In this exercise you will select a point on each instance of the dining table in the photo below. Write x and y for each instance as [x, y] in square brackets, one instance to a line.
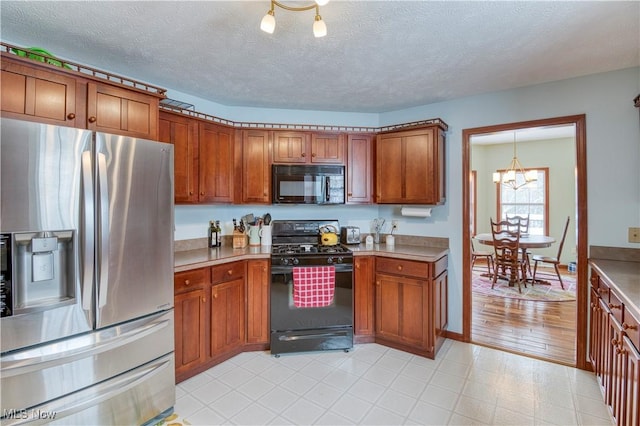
[527, 241]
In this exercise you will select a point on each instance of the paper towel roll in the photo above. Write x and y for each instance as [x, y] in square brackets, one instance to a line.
[416, 211]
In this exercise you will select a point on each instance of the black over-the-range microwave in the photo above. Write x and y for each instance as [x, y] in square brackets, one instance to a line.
[307, 184]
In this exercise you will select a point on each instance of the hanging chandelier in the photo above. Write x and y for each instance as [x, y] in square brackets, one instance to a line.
[268, 23]
[509, 177]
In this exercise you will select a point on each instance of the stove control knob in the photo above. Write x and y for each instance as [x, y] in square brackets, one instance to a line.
[284, 261]
[340, 259]
[329, 259]
[295, 261]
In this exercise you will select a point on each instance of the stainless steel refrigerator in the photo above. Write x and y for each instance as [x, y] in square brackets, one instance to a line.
[86, 241]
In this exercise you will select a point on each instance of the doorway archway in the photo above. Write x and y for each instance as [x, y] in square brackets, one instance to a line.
[582, 294]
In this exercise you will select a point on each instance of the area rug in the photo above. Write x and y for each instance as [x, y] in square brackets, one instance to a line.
[538, 292]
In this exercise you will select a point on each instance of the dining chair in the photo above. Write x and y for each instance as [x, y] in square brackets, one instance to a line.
[506, 246]
[555, 261]
[481, 254]
[524, 230]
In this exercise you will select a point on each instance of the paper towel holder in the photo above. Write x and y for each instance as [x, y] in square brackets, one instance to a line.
[413, 211]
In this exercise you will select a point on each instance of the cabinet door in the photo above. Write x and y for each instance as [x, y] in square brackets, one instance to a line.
[258, 301]
[227, 316]
[39, 95]
[182, 132]
[290, 147]
[327, 148]
[614, 384]
[401, 310]
[120, 111]
[359, 169]
[190, 327]
[216, 163]
[389, 171]
[631, 387]
[256, 167]
[364, 297]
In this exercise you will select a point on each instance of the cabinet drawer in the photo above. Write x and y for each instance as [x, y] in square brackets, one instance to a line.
[189, 280]
[600, 287]
[616, 306]
[403, 267]
[631, 327]
[227, 272]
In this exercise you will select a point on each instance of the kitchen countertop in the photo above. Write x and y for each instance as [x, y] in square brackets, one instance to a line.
[203, 257]
[624, 278]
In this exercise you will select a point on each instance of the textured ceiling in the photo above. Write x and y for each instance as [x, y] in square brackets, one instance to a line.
[378, 55]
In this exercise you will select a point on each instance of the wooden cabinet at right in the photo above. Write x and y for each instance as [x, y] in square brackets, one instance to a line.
[410, 166]
[411, 304]
[614, 344]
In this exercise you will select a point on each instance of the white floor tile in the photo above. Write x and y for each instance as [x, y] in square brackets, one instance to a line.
[373, 385]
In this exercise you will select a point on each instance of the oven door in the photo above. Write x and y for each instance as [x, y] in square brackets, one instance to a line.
[300, 329]
[286, 316]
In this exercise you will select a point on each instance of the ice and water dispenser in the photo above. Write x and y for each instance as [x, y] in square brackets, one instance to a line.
[38, 271]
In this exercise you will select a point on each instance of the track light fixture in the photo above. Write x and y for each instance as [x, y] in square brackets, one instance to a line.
[268, 23]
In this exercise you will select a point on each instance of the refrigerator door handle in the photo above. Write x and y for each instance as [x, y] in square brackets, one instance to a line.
[93, 396]
[104, 230]
[38, 359]
[89, 231]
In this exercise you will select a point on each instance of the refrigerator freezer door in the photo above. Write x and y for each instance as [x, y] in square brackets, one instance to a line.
[134, 204]
[49, 372]
[42, 184]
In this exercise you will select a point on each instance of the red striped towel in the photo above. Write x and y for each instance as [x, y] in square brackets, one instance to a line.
[313, 286]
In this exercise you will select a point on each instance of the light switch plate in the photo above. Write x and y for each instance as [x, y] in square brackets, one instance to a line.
[634, 235]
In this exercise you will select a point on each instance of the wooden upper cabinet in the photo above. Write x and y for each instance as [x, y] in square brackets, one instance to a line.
[410, 167]
[359, 169]
[216, 162]
[117, 110]
[311, 148]
[40, 95]
[182, 132]
[256, 167]
[290, 147]
[327, 148]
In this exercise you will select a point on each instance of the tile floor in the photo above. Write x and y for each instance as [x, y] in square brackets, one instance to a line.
[376, 385]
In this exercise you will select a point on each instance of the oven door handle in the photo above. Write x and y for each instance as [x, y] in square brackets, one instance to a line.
[340, 267]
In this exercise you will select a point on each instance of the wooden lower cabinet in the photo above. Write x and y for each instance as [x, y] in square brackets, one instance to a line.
[364, 299]
[613, 355]
[191, 313]
[258, 277]
[227, 317]
[410, 304]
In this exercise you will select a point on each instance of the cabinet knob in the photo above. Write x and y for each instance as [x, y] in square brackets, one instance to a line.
[187, 282]
[92, 119]
[71, 116]
[264, 194]
[204, 300]
[190, 192]
[612, 306]
[629, 327]
[614, 342]
[304, 155]
[230, 272]
[202, 193]
[215, 295]
[602, 290]
[349, 194]
[313, 154]
[399, 267]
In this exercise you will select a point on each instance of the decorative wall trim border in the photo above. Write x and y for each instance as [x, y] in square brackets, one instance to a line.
[317, 127]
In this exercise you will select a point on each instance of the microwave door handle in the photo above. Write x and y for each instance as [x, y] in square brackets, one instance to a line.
[326, 188]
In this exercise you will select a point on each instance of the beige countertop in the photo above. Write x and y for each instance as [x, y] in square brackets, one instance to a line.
[203, 257]
[624, 278]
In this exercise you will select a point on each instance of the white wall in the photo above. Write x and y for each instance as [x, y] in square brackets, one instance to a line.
[613, 155]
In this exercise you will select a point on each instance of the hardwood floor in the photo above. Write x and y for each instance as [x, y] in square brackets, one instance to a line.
[544, 330]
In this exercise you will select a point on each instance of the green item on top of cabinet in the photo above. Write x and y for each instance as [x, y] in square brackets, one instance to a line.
[39, 54]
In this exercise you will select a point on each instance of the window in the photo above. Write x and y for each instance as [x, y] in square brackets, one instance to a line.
[531, 199]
